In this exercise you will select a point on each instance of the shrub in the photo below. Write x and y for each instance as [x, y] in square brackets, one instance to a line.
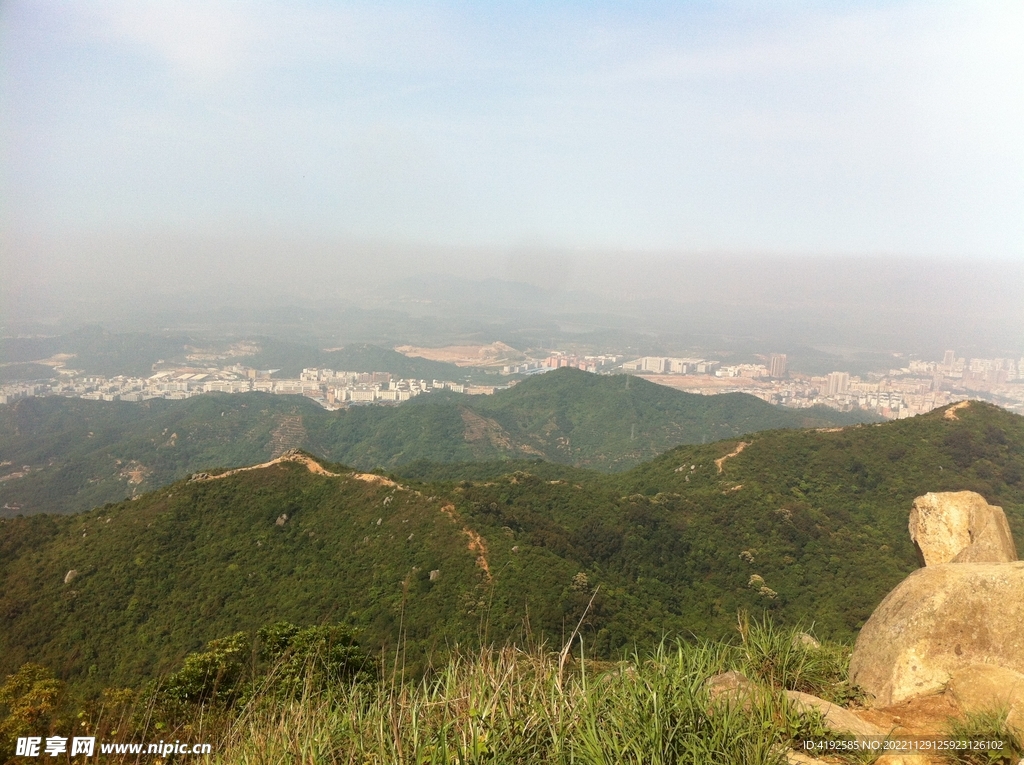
[213, 675]
[28, 704]
[314, 657]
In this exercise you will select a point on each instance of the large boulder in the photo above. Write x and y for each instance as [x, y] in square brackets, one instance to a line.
[960, 527]
[985, 688]
[940, 619]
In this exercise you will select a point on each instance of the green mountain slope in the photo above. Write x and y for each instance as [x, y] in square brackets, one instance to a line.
[79, 454]
[612, 423]
[806, 525]
[200, 558]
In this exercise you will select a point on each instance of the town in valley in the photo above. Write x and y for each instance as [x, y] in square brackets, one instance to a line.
[896, 393]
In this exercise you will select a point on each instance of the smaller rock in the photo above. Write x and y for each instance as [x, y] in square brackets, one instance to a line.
[282, 519]
[803, 640]
[989, 688]
[435, 575]
[836, 717]
[70, 575]
[729, 686]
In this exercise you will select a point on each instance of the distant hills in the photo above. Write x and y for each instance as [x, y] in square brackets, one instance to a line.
[63, 455]
[806, 525]
[94, 350]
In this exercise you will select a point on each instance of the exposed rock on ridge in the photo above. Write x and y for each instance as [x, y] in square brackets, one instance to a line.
[960, 527]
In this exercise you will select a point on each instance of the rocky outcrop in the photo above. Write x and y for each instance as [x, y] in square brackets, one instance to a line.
[987, 688]
[960, 527]
[941, 619]
[836, 717]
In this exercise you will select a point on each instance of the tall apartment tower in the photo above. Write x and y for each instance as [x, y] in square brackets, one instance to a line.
[838, 382]
[777, 365]
[947, 359]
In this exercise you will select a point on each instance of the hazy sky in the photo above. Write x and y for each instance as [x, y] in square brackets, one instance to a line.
[810, 128]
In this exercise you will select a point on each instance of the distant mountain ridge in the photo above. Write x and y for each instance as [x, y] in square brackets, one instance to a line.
[70, 454]
[97, 351]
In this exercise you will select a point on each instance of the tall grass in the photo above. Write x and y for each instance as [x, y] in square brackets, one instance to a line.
[778, 657]
[508, 706]
[992, 727]
[514, 707]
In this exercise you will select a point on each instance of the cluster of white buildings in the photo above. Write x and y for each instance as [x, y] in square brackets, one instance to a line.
[890, 397]
[331, 389]
[666, 365]
[560, 359]
[978, 374]
[915, 389]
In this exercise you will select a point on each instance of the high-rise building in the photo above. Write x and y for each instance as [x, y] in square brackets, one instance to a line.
[948, 358]
[838, 382]
[777, 365]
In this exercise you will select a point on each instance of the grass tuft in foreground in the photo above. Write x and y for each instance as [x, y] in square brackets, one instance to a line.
[510, 706]
[990, 727]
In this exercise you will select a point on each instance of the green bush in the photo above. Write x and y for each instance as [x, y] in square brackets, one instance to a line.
[213, 675]
[313, 658]
[29, 702]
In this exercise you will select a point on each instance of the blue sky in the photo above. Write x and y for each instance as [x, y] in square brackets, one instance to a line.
[828, 128]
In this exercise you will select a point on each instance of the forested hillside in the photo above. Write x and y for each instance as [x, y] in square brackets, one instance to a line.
[805, 525]
[62, 455]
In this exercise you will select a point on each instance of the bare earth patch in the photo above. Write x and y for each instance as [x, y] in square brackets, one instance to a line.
[16, 474]
[739, 448]
[924, 716]
[705, 384]
[135, 472]
[476, 545]
[494, 354]
[312, 465]
[950, 414]
[373, 478]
